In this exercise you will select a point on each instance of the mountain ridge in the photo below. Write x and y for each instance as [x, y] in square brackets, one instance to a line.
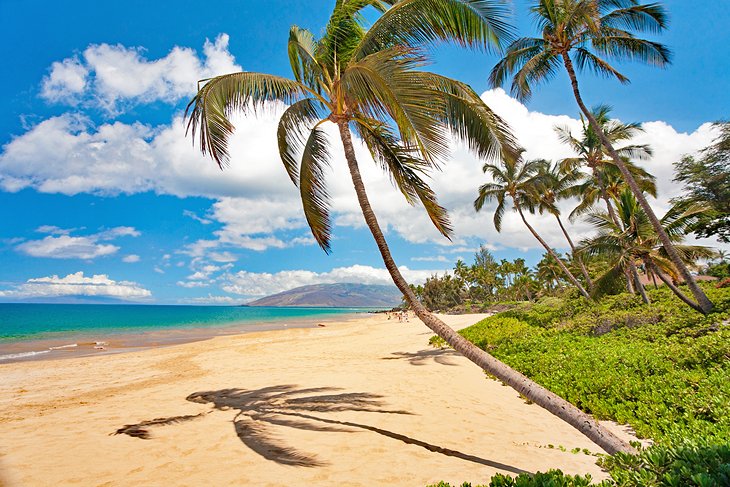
[335, 295]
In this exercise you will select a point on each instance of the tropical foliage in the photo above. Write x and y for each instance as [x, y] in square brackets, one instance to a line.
[588, 35]
[706, 180]
[661, 368]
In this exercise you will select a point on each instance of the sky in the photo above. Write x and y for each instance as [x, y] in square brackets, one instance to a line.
[103, 195]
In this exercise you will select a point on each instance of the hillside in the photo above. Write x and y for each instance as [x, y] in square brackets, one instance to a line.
[340, 295]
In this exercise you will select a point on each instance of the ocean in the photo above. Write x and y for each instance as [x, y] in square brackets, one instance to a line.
[35, 331]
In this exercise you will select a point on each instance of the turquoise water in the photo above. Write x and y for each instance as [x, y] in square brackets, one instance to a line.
[39, 321]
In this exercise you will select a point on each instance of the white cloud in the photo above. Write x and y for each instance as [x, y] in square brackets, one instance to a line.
[130, 259]
[112, 76]
[54, 230]
[435, 258]
[192, 284]
[246, 283]
[61, 245]
[210, 299]
[256, 204]
[77, 284]
[195, 217]
[66, 247]
[66, 82]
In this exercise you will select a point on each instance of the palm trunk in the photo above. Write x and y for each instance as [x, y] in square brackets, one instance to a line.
[628, 273]
[583, 269]
[639, 285]
[528, 388]
[704, 305]
[666, 280]
[552, 253]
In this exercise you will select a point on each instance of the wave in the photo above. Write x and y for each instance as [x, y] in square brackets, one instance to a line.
[61, 347]
[12, 356]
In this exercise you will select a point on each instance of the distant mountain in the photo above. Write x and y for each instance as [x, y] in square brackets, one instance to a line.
[341, 295]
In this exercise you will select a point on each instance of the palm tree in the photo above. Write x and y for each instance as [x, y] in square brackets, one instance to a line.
[606, 181]
[635, 241]
[549, 273]
[587, 30]
[554, 183]
[369, 80]
[517, 180]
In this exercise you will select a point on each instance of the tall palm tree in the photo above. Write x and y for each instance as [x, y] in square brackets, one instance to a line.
[636, 241]
[606, 181]
[370, 81]
[587, 30]
[517, 179]
[554, 183]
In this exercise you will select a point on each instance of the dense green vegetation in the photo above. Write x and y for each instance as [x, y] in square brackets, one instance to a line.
[661, 368]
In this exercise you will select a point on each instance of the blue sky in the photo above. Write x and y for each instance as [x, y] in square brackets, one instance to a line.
[101, 193]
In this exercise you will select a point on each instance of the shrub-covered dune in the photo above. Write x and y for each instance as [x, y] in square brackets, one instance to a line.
[661, 368]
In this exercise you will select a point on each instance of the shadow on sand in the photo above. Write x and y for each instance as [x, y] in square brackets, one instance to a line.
[439, 355]
[288, 406]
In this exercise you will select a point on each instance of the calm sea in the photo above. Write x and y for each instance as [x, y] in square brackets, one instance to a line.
[31, 330]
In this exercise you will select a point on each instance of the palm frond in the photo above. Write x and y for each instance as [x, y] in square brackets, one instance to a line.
[292, 133]
[304, 65]
[208, 113]
[312, 188]
[385, 85]
[585, 59]
[404, 168]
[621, 45]
[630, 15]
[486, 134]
[472, 23]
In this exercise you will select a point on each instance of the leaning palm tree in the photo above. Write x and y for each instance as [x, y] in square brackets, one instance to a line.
[636, 241]
[555, 182]
[576, 33]
[370, 81]
[517, 180]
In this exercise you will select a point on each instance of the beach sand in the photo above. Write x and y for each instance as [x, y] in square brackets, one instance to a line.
[363, 402]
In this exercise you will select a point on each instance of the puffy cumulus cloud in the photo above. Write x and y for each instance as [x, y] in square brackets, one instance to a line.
[61, 245]
[130, 259]
[112, 76]
[256, 204]
[66, 81]
[246, 283]
[66, 155]
[77, 285]
[69, 154]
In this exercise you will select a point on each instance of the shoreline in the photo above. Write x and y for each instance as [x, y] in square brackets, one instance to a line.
[358, 402]
[85, 344]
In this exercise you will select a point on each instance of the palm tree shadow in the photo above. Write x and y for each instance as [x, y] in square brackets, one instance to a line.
[287, 406]
[440, 356]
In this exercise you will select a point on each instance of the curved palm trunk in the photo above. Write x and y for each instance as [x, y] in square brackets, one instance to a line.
[552, 253]
[583, 269]
[666, 280]
[528, 388]
[704, 305]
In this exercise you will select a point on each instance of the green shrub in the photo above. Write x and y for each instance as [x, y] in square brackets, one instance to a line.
[661, 368]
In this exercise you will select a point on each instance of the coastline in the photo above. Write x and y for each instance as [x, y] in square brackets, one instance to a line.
[87, 343]
[357, 402]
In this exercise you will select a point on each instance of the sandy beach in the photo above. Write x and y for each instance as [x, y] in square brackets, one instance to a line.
[362, 402]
